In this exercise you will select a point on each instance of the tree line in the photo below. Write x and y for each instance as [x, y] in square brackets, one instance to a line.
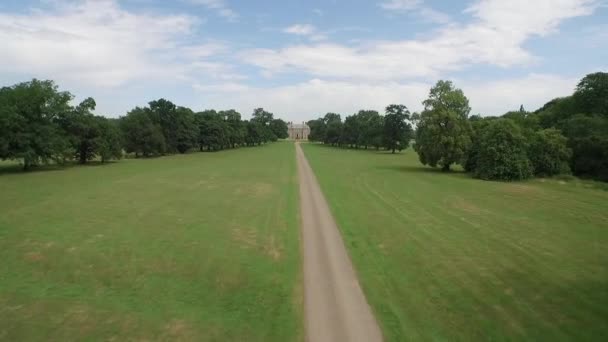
[567, 135]
[38, 125]
[365, 129]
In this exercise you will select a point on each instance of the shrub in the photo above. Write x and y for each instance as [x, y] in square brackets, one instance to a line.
[549, 153]
[502, 153]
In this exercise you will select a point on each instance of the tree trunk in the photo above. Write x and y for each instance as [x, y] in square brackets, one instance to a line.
[393, 151]
[445, 168]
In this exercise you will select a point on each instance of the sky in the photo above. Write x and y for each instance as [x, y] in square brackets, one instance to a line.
[302, 59]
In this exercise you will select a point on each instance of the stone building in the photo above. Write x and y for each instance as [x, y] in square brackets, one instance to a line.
[298, 131]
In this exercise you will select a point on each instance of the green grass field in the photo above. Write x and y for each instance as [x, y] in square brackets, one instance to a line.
[447, 257]
[198, 247]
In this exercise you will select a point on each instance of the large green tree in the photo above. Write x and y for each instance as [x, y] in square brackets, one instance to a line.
[213, 131]
[397, 131]
[503, 152]
[371, 126]
[82, 130]
[264, 118]
[588, 139]
[333, 128]
[443, 135]
[318, 129]
[109, 142]
[549, 153]
[29, 114]
[142, 135]
[186, 129]
[591, 95]
[279, 128]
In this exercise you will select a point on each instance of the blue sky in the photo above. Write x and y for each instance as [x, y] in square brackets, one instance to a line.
[301, 59]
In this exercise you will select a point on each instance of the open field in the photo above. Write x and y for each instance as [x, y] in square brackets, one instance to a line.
[195, 247]
[446, 257]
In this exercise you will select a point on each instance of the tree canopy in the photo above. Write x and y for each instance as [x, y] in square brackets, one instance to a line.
[38, 125]
[443, 134]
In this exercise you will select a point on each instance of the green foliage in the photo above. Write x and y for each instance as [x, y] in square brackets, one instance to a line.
[109, 142]
[279, 128]
[213, 131]
[29, 125]
[333, 130]
[264, 119]
[478, 125]
[591, 95]
[397, 131]
[317, 130]
[588, 139]
[445, 97]
[443, 134]
[549, 153]
[583, 119]
[502, 153]
[141, 134]
[371, 124]
[351, 131]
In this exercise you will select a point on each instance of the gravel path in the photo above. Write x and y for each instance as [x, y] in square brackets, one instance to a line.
[334, 304]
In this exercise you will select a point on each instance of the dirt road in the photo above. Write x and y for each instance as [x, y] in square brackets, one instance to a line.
[334, 304]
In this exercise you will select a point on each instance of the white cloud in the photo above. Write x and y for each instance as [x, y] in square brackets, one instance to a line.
[401, 5]
[496, 36]
[98, 43]
[310, 99]
[417, 8]
[220, 6]
[306, 30]
[534, 90]
[300, 29]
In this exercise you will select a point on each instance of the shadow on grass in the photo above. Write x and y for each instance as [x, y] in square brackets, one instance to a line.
[17, 168]
[360, 149]
[424, 170]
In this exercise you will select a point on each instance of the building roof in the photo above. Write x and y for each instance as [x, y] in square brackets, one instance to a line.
[292, 125]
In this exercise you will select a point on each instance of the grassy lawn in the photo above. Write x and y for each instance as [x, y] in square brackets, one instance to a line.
[447, 257]
[198, 247]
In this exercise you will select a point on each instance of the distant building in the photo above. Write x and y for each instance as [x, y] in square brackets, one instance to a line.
[298, 131]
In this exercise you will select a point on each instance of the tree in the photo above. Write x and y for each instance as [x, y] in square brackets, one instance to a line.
[109, 141]
[263, 118]
[397, 131]
[213, 131]
[164, 114]
[82, 131]
[549, 153]
[29, 122]
[443, 132]
[588, 139]
[236, 128]
[141, 134]
[502, 153]
[255, 133]
[478, 125]
[349, 134]
[279, 128]
[333, 131]
[370, 125]
[186, 129]
[317, 130]
[591, 94]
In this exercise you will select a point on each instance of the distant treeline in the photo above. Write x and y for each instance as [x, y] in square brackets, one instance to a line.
[38, 125]
[567, 135]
